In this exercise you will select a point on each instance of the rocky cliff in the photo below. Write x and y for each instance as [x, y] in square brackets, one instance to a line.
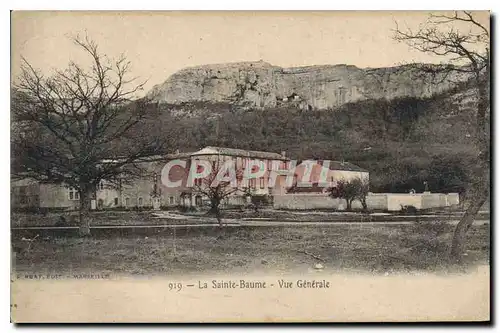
[262, 85]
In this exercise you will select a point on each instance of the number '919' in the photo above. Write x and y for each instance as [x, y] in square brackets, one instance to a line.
[175, 286]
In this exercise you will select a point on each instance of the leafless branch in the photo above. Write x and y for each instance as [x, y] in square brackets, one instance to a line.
[82, 116]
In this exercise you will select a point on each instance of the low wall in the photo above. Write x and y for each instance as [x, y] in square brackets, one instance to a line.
[235, 200]
[377, 201]
[396, 200]
[374, 201]
[310, 201]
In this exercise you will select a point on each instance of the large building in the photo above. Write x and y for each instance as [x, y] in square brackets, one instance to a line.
[318, 176]
[150, 188]
[189, 194]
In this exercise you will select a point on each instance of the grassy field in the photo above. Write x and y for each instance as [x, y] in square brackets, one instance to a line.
[273, 249]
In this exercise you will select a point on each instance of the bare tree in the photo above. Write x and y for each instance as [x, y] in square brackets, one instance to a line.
[80, 125]
[216, 191]
[463, 41]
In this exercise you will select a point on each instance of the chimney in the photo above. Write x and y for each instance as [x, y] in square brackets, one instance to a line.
[283, 153]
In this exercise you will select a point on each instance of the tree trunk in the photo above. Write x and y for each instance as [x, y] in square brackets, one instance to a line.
[459, 237]
[214, 206]
[482, 176]
[215, 209]
[218, 216]
[363, 203]
[86, 194]
[349, 205]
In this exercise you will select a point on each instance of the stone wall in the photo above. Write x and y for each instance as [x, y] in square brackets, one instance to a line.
[375, 201]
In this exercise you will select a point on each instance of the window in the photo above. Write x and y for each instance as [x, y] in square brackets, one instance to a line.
[101, 185]
[73, 194]
[140, 202]
[253, 182]
[198, 181]
[116, 201]
[171, 200]
[23, 197]
[262, 182]
[127, 202]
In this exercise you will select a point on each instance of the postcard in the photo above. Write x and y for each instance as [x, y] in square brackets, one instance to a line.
[250, 167]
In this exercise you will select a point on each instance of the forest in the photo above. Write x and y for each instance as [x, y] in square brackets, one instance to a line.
[403, 142]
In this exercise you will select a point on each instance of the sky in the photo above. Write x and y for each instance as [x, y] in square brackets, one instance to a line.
[161, 43]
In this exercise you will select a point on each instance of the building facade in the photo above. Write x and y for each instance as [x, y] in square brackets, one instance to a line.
[318, 176]
[271, 174]
[190, 193]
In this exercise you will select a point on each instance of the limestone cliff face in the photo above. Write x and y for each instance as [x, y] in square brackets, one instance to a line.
[262, 85]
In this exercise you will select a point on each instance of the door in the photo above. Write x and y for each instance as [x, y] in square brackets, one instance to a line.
[197, 200]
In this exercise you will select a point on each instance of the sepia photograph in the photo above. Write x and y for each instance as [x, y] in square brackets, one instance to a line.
[250, 166]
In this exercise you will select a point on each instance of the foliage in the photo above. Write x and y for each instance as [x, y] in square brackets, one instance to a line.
[408, 210]
[259, 201]
[350, 190]
[420, 139]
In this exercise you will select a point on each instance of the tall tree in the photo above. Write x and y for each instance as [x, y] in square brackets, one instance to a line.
[464, 43]
[80, 125]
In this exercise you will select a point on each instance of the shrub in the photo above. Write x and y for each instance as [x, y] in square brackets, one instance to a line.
[261, 200]
[61, 221]
[408, 210]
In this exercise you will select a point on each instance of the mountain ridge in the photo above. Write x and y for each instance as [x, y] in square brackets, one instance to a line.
[259, 84]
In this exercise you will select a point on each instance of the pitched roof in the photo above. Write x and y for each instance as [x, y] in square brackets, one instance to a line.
[345, 166]
[166, 157]
[239, 152]
[315, 188]
[336, 165]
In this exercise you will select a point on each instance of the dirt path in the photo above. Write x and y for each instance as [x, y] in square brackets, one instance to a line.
[234, 223]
